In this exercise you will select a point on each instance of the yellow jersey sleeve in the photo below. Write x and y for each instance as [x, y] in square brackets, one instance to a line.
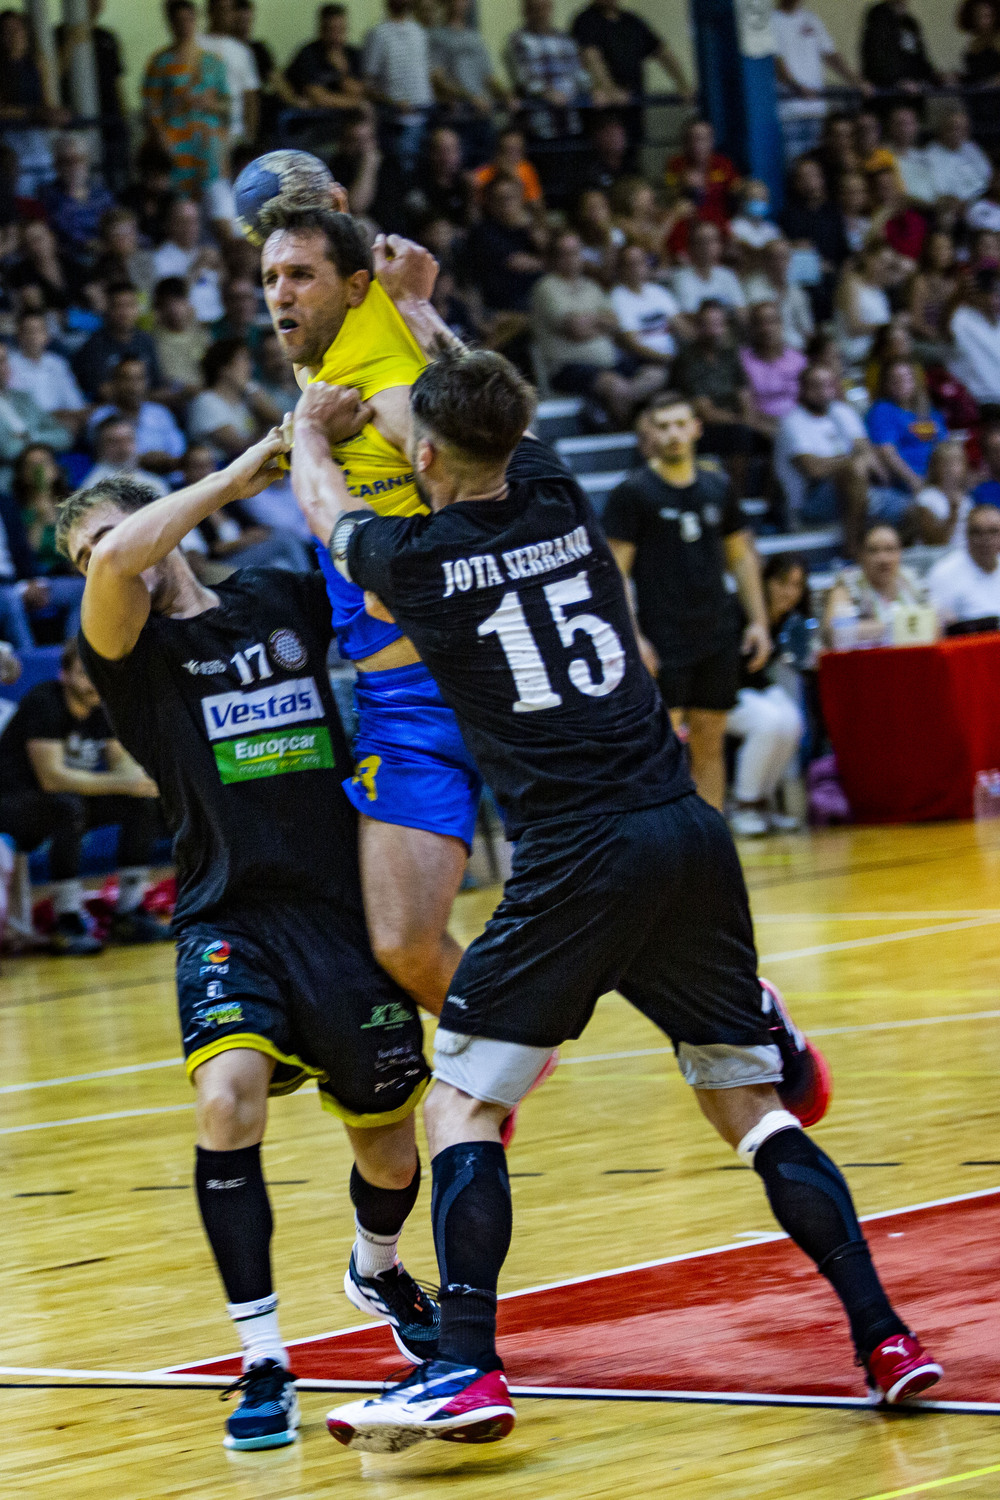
[373, 352]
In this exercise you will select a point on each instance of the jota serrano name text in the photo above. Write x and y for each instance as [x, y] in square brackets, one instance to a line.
[484, 571]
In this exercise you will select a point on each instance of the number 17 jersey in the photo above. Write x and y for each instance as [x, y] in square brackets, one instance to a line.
[518, 611]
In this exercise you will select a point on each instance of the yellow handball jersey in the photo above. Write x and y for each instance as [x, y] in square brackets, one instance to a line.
[373, 351]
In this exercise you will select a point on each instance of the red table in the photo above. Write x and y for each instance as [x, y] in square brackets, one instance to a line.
[911, 726]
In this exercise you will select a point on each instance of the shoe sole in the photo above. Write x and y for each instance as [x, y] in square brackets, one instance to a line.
[270, 1440]
[488, 1425]
[913, 1382]
[356, 1298]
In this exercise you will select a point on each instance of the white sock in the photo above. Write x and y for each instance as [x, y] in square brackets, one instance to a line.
[131, 888]
[67, 896]
[374, 1253]
[257, 1326]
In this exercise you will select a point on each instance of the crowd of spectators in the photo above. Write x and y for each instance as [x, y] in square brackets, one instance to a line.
[839, 344]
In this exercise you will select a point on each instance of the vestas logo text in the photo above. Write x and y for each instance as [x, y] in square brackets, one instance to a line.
[288, 703]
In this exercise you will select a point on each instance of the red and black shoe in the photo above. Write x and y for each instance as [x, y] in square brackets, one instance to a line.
[457, 1403]
[900, 1367]
[806, 1087]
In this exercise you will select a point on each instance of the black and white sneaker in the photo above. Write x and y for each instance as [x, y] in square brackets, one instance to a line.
[395, 1298]
[268, 1415]
[73, 937]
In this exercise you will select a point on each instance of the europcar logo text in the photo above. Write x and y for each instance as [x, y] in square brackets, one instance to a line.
[217, 952]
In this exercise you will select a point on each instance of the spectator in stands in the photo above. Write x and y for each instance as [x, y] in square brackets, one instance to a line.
[546, 69]
[706, 278]
[752, 227]
[326, 73]
[932, 292]
[600, 238]
[33, 588]
[465, 79]
[855, 209]
[115, 452]
[183, 253]
[275, 92]
[231, 412]
[40, 263]
[44, 375]
[987, 491]
[866, 595]
[606, 159]
[151, 193]
[837, 151]
[110, 69]
[396, 67]
[772, 283]
[811, 221]
[648, 313]
[233, 537]
[441, 188]
[186, 101]
[119, 338]
[980, 76]
[772, 367]
[242, 80]
[942, 506]
[804, 52]
[27, 101]
[862, 302]
[902, 136]
[956, 166]
[75, 202]
[119, 255]
[509, 160]
[63, 772]
[675, 529]
[709, 373]
[975, 337]
[579, 339]
[638, 214]
[275, 375]
[37, 487]
[241, 320]
[893, 54]
[374, 182]
[23, 421]
[159, 440]
[620, 42]
[823, 458]
[767, 717]
[985, 212]
[894, 219]
[704, 177]
[504, 254]
[180, 339]
[965, 585]
[903, 427]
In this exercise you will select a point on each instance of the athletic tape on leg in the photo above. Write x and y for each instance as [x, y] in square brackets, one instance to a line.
[773, 1121]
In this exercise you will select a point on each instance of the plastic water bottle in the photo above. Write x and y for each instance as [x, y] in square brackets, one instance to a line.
[986, 796]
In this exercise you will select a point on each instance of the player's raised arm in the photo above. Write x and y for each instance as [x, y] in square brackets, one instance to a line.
[407, 273]
[325, 415]
[116, 600]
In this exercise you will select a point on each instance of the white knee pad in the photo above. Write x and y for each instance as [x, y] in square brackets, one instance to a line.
[773, 1122]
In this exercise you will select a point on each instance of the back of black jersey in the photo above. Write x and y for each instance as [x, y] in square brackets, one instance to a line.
[231, 714]
[518, 609]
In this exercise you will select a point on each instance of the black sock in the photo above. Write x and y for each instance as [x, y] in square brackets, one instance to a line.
[237, 1218]
[812, 1203]
[383, 1210]
[471, 1217]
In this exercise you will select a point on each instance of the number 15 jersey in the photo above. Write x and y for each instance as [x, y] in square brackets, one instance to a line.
[518, 610]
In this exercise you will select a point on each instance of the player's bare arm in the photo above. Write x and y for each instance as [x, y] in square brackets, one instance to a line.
[407, 272]
[115, 556]
[325, 415]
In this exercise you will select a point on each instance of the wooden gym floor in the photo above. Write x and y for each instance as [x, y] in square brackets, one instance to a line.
[885, 941]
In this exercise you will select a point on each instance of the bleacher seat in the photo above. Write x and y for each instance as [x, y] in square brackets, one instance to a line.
[599, 455]
[557, 418]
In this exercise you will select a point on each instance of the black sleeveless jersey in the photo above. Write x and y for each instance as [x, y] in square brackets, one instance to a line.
[519, 612]
[231, 714]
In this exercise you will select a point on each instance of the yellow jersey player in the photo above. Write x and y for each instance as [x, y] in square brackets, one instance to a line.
[415, 785]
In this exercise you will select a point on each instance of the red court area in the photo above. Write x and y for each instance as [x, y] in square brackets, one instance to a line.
[755, 1319]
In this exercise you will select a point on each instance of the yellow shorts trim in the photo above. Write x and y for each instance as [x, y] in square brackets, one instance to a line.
[369, 1122]
[250, 1041]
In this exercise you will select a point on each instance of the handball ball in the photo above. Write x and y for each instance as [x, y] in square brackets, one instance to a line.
[279, 180]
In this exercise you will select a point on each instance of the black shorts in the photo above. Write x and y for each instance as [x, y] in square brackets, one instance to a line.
[300, 984]
[710, 682]
[650, 903]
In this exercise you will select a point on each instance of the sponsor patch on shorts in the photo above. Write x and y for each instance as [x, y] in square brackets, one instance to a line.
[274, 754]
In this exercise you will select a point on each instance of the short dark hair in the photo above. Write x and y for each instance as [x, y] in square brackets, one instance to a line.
[476, 402]
[346, 242]
[663, 400]
[118, 289]
[217, 356]
[173, 6]
[113, 419]
[129, 359]
[326, 11]
[127, 493]
[170, 286]
[30, 312]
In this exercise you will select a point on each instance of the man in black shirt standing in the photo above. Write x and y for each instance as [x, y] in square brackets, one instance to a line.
[222, 695]
[675, 529]
[62, 771]
[622, 877]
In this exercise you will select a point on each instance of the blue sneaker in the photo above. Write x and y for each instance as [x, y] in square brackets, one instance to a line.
[268, 1415]
[395, 1298]
[456, 1403]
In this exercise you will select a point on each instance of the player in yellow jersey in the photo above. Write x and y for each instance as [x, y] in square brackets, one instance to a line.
[415, 786]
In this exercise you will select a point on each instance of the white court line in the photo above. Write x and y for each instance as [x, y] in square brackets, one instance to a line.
[51, 1083]
[882, 937]
[118, 1114]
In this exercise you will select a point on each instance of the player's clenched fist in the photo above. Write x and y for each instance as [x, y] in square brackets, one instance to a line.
[337, 409]
[403, 269]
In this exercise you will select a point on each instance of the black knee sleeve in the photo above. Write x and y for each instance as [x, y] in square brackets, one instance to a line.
[383, 1210]
[236, 1214]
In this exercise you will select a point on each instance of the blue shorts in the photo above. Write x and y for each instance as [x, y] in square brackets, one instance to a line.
[411, 766]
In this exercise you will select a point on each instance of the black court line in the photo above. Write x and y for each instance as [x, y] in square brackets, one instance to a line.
[68, 1265]
[525, 1174]
[166, 1187]
[50, 1193]
[980, 1163]
[88, 989]
[871, 1163]
[631, 1171]
[286, 1182]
